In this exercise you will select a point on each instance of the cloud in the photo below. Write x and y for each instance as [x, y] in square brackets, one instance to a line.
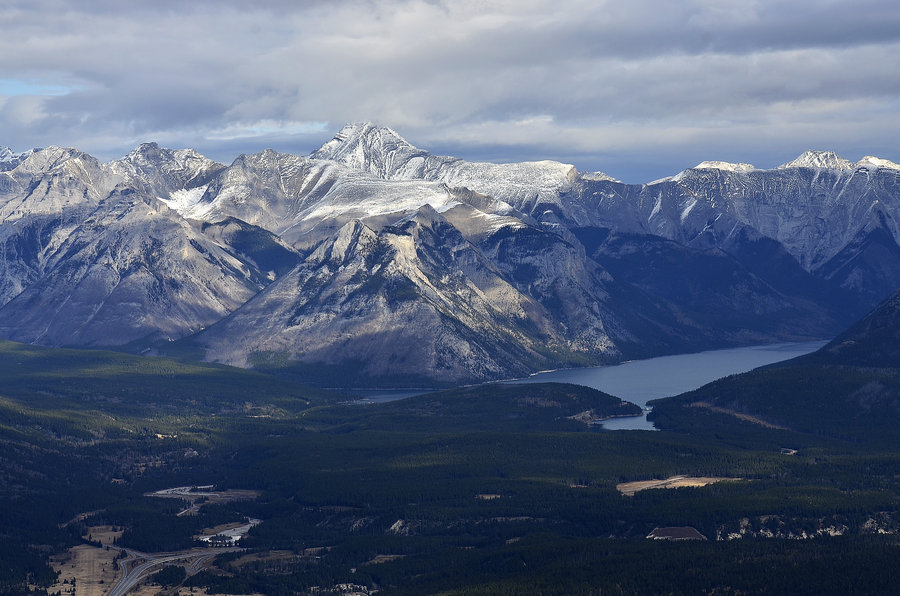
[632, 88]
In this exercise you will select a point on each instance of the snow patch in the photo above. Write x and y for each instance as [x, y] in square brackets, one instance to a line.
[724, 165]
[689, 206]
[188, 202]
[371, 197]
[824, 160]
[872, 162]
[598, 177]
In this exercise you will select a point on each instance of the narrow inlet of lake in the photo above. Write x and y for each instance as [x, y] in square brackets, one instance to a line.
[640, 381]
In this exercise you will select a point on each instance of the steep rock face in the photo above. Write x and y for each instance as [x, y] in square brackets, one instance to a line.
[532, 188]
[9, 159]
[162, 172]
[813, 206]
[817, 208]
[412, 298]
[88, 260]
[812, 211]
[573, 289]
[51, 181]
[706, 293]
[125, 274]
[377, 150]
[268, 189]
[42, 200]
[374, 251]
[305, 200]
[869, 265]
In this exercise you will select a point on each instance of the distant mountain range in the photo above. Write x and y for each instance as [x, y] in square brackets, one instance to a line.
[372, 258]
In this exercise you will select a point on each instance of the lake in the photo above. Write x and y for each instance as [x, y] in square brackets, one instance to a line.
[640, 381]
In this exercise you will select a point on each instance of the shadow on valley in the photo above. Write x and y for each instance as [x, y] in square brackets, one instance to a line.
[498, 489]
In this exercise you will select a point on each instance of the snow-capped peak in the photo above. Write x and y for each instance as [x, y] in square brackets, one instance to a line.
[821, 160]
[362, 137]
[9, 159]
[152, 153]
[870, 161]
[370, 148]
[724, 165]
[598, 177]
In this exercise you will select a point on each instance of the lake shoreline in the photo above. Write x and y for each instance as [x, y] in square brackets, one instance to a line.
[640, 381]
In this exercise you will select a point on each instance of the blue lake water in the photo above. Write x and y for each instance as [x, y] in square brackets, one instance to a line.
[640, 381]
[379, 396]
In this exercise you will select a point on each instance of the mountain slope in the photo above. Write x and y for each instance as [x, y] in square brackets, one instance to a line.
[90, 260]
[529, 187]
[415, 298]
[872, 342]
[814, 207]
[849, 389]
[376, 255]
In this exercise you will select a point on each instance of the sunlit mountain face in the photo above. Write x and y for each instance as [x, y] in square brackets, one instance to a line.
[374, 255]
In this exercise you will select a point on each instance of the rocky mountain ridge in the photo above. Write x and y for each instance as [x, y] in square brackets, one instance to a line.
[375, 252]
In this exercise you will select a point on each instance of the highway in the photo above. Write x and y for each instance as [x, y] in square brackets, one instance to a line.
[137, 565]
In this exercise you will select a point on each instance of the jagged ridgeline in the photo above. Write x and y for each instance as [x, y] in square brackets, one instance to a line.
[374, 259]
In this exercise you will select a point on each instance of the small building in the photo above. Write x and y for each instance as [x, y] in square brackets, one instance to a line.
[676, 533]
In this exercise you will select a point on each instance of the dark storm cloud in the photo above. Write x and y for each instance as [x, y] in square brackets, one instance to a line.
[640, 89]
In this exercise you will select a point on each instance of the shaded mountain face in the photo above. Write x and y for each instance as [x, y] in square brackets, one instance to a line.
[399, 300]
[849, 389]
[90, 260]
[374, 252]
[872, 342]
[824, 218]
[820, 209]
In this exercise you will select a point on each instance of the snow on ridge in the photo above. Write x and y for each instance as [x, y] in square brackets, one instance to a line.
[8, 157]
[824, 160]
[831, 161]
[363, 196]
[356, 137]
[187, 202]
[870, 161]
[598, 177]
[724, 165]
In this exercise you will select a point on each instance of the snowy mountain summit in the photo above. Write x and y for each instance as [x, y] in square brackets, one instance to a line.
[374, 149]
[9, 159]
[374, 258]
[829, 160]
[724, 165]
[819, 160]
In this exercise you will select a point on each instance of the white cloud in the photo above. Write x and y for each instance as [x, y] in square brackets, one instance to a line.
[265, 128]
[659, 84]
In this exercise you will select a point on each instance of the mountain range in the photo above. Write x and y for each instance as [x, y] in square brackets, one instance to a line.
[372, 258]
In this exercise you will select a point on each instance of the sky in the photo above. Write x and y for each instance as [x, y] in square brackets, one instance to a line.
[638, 89]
